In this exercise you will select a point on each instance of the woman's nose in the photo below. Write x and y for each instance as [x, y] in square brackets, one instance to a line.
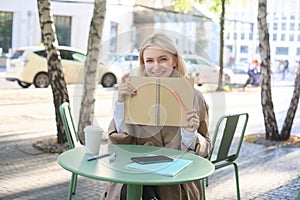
[155, 64]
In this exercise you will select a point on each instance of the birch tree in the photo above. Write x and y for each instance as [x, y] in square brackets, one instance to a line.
[55, 73]
[87, 107]
[271, 128]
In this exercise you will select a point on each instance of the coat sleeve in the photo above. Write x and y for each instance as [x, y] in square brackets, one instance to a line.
[203, 142]
[116, 137]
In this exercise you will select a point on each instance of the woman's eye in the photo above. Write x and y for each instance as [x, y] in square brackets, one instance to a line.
[148, 61]
[163, 59]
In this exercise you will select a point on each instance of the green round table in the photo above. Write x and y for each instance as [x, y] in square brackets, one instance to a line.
[74, 160]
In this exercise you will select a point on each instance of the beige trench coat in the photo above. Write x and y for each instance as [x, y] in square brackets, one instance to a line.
[169, 137]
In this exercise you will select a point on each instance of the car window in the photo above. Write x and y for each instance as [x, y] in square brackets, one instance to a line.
[65, 54]
[71, 55]
[41, 53]
[202, 62]
[17, 54]
[79, 57]
[191, 61]
[131, 58]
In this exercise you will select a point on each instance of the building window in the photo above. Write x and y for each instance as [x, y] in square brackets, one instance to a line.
[283, 17]
[63, 29]
[228, 36]
[292, 26]
[251, 36]
[282, 50]
[298, 51]
[242, 36]
[298, 37]
[275, 26]
[235, 36]
[113, 38]
[291, 37]
[282, 37]
[274, 36]
[257, 50]
[283, 26]
[6, 31]
[244, 49]
[229, 47]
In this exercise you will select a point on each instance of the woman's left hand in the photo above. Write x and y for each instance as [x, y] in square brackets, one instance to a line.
[192, 119]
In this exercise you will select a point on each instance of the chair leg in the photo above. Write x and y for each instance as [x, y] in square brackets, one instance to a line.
[203, 189]
[74, 180]
[237, 181]
[206, 181]
[72, 186]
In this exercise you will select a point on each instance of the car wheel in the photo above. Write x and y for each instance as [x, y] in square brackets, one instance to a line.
[41, 80]
[23, 84]
[108, 80]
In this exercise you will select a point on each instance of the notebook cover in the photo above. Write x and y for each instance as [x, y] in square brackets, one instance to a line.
[159, 101]
[163, 168]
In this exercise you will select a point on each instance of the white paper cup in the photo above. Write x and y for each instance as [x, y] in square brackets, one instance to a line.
[93, 136]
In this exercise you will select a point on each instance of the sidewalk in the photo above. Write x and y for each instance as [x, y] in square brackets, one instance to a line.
[265, 173]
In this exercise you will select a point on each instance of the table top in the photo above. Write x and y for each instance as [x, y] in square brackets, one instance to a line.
[102, 169]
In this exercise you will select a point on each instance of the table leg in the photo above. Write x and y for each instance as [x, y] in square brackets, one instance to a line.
[134, 192]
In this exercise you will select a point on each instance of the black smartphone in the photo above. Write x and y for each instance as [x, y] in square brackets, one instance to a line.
[151, 159]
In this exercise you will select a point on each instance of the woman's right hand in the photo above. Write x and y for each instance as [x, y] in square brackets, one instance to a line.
[125, 89]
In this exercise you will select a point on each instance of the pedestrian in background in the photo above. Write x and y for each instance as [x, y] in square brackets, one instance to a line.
[284, 69]
[253, 74]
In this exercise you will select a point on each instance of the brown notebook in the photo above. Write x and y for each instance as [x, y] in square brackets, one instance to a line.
[159, 101]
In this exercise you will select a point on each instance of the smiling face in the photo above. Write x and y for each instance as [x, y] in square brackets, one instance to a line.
[158, 62]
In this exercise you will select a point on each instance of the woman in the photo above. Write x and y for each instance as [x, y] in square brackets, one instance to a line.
[159, 58]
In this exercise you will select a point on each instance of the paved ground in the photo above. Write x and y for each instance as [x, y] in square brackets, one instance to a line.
[25, 173]
[265, 173]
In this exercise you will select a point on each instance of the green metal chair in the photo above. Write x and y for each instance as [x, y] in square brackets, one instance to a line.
[298, 197]
[223, 153]
[72, 137]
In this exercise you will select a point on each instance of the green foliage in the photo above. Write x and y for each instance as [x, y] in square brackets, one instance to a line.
[186, 5]
[182, 5]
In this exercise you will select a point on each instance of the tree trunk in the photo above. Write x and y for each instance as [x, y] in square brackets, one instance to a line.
[86, 115]
[288, 122]
[220, 83]
[266, 95]
[55, 73]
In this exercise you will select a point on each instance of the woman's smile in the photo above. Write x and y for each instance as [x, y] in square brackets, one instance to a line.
[158, 62]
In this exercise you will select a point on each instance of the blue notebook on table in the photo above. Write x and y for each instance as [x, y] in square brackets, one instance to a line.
[163, 168]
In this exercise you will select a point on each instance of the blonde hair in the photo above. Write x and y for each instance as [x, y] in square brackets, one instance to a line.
[165, 43]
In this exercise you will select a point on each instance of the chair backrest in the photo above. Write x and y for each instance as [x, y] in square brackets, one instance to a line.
[229, 124]
[69, 126]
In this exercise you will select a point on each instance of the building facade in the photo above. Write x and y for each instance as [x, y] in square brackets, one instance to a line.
[127, 24]
[241, 34]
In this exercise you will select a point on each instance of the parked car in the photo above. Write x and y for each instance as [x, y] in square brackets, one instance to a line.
[28, 66]
[240, 68]
[204, 71]
[127, 61]
[198, 67]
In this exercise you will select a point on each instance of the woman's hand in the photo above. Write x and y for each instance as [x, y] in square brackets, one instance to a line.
[125, 89]
[192, 119]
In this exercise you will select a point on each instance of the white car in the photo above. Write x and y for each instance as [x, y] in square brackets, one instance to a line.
[204, 71]
[28, 66]
[127, 61]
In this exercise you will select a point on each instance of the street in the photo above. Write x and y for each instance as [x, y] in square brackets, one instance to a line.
[32, 109]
